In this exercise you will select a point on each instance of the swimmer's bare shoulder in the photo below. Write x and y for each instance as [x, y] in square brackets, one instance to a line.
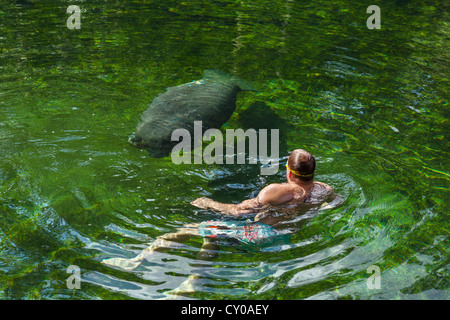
[280, 193]
[288, 193]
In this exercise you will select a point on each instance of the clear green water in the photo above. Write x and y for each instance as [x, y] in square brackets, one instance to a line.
[371, 105]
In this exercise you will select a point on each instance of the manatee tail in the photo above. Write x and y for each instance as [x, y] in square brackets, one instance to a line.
[222, 77]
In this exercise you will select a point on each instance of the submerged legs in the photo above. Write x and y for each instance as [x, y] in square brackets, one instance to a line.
[208, 250]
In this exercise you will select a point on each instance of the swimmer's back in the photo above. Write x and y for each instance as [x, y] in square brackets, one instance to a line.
[293, 194]
[300, 200]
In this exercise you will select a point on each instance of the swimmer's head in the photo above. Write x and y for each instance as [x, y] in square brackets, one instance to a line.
[302, 165]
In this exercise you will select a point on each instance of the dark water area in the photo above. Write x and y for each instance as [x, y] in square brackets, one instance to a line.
[372, 105]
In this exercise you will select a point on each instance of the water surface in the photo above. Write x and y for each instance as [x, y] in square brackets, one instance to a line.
[371, 105]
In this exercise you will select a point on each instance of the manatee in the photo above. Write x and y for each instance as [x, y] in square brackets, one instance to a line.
[211, 100]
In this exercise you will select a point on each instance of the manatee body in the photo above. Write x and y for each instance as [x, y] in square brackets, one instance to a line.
[211, 100]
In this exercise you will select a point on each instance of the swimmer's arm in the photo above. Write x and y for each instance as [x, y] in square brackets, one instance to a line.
[273, 194]
[246, 207]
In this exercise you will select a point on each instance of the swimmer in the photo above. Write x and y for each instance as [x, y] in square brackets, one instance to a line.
[299, 192]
